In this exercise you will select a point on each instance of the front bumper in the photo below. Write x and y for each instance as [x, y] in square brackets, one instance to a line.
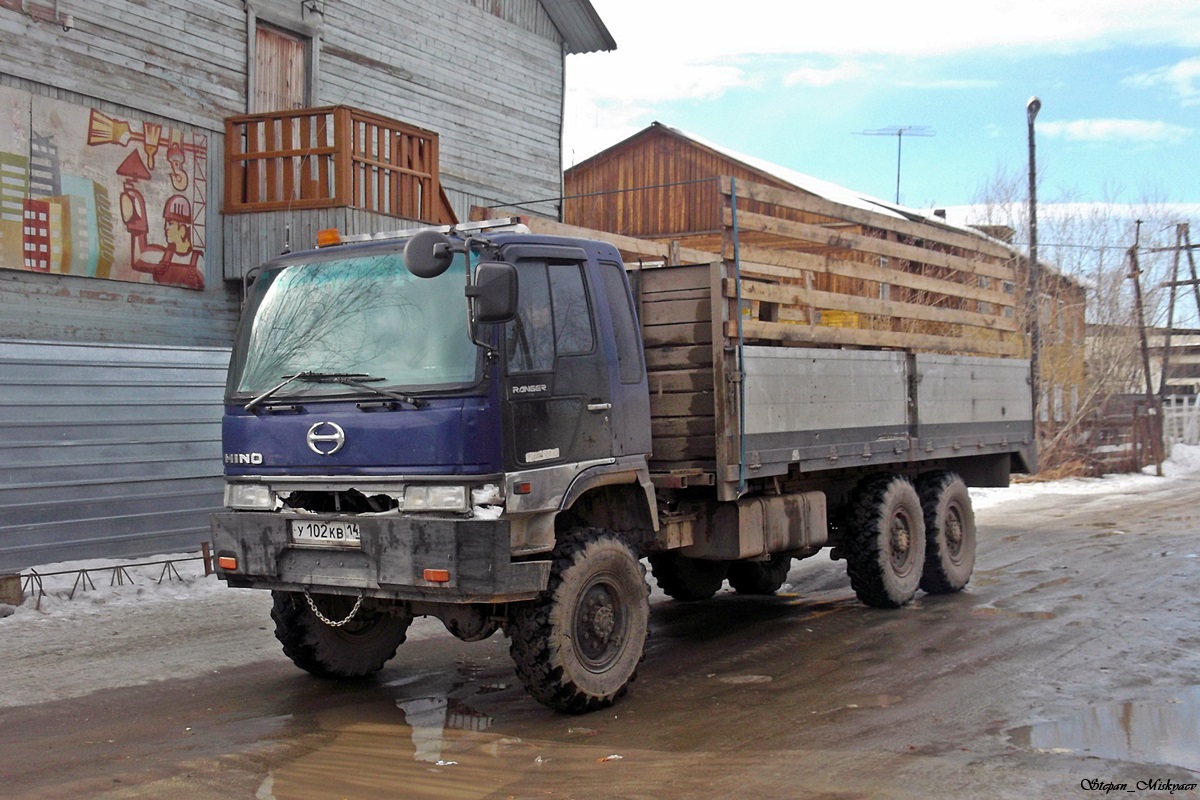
[391, 561]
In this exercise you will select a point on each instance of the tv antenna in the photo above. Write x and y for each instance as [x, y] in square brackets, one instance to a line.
[900, 131]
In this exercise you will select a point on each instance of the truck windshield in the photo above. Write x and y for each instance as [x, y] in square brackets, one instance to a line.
[365, 315]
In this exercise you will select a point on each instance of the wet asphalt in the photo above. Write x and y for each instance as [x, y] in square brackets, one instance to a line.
[1069, 667]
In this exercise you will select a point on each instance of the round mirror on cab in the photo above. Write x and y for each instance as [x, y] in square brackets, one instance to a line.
[427, 254]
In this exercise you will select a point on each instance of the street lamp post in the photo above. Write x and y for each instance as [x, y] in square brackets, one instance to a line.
[1034, 303]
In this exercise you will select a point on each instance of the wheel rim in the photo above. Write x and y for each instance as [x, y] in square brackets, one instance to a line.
[900, 544]
[954, 533]
[601, 620]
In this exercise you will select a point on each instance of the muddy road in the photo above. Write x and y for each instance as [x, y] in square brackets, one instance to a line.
[1070, 664]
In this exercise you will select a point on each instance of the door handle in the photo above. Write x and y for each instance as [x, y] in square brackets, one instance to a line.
[599, 406]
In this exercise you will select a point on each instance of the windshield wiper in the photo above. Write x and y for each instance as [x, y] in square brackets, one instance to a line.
[360, 382]
[356, 379]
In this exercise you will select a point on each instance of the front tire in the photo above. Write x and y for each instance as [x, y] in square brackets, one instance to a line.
[885, 543]
[577, 647]
[949, 533]
[358, 648]
[759, 577]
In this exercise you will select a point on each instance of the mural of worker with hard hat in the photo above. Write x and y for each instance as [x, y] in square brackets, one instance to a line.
[176, 263]
[74, 176]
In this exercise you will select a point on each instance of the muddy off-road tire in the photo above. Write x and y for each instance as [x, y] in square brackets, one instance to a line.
[358, 648]
[687, 579]
[577, 647]
[949, 532]
[884, 545]
[759, 577]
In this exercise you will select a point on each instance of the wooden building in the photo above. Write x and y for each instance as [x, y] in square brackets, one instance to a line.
[824, 265]
[152, 153]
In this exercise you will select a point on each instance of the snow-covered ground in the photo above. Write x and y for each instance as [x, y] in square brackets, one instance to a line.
[110, 590]
[1184, 461]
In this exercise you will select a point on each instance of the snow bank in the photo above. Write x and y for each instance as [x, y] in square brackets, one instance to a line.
[83, 589]
[1184, 462]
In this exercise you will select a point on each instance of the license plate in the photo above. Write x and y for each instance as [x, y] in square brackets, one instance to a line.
[324, 533]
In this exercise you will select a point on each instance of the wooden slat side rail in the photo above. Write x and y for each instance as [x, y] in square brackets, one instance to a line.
[826, 335]
[675, 310]
[789, 295]
[862, 279]
[781, 264]
[333, 157]
[818, 205]
[836, 239]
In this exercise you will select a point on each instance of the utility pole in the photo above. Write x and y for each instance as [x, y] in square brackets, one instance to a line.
[1155, 432]
[900, 131]
[1174, 286]
[1033, 295]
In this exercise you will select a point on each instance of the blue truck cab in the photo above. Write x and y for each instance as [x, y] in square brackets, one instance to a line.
[403, 435]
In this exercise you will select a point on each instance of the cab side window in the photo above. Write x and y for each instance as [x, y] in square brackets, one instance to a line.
[553, 317]
[625, 324]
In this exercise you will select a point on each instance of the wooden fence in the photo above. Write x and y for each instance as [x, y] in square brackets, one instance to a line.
[332, 157]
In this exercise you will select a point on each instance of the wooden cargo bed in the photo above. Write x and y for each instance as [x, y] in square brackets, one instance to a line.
[749, 333]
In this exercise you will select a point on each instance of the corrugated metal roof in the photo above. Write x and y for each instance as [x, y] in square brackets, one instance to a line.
[581, 27]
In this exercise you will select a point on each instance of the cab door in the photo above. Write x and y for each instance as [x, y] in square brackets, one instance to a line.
[557, 378]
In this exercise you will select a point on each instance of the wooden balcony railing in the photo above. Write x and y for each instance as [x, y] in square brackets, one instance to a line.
[332, 157]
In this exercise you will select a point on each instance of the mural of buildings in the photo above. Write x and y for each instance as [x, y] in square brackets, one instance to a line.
[44, 175]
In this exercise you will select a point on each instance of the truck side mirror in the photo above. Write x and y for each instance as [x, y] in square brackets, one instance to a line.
[427, 254]
[493, 293]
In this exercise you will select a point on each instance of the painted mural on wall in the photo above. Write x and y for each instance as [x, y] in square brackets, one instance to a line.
[87, 193]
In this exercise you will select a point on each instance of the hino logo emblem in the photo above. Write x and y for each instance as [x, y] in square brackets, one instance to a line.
[326, 438]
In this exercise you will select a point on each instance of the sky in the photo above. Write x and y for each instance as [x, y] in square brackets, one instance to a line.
[800, 84]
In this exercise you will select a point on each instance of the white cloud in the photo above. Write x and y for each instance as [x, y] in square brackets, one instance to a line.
[1183, 79]
[609, 99]
[1116, 130]
[712, 29]
[955, 84]
[816, 76]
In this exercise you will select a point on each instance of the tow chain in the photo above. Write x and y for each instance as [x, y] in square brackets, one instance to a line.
[327, 620]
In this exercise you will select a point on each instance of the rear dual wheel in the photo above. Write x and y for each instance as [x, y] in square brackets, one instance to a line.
[885, 543]
[949, 532]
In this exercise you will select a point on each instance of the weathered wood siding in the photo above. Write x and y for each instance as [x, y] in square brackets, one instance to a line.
[491, 91]
[656, 185]
[486, 75]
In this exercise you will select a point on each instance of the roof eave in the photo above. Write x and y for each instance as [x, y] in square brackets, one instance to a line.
[580, 26]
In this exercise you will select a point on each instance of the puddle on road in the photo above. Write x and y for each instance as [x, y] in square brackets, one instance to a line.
[1165, 731]
[991, 611]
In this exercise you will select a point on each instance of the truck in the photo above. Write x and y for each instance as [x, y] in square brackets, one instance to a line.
[490, 426]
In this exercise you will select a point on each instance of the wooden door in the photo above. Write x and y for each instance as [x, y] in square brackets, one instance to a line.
[280, 70]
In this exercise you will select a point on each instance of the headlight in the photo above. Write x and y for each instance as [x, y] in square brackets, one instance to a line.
[249, 497]
[435, 498]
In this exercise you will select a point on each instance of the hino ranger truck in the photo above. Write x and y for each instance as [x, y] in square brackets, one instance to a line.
[500, 428]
